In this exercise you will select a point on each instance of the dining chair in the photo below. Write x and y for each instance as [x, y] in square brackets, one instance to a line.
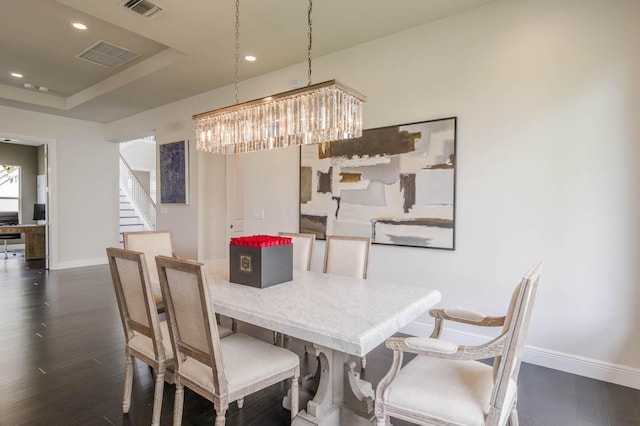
[445, 384]
[221, 370]
[146, 337]
[302, 251]
[347, 256]
[152, 244]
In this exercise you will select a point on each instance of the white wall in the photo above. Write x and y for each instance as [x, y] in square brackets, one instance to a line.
[547, 95]
[83, 193]
[140, 155]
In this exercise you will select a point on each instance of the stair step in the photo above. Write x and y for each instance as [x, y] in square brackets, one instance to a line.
[130, 220]
[131, 228]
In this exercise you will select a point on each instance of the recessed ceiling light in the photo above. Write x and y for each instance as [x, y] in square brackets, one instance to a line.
[16, 75]
[79, 26]
[250, 58]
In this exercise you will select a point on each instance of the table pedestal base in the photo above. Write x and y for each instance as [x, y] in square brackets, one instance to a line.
[341, 397]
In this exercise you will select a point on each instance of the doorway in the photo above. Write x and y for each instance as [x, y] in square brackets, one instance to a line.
[30, 201]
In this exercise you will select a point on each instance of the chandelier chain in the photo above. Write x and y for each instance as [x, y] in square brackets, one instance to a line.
[310, 41]
[237, 50]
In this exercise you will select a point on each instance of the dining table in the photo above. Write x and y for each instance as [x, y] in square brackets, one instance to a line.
[339, 317]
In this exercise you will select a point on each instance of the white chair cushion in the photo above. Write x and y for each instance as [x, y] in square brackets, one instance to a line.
[454, 391]
[246, 361]
[144, 345]
[465, 314]
[429, 344]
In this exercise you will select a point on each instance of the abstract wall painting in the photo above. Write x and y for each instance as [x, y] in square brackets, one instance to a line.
[394, 184]
[174, 163]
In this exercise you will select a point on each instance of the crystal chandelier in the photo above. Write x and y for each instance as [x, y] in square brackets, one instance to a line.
[316, 113]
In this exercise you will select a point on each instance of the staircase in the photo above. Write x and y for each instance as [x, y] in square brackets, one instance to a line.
[129, 219]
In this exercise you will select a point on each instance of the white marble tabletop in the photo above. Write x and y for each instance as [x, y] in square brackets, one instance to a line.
[346, 314]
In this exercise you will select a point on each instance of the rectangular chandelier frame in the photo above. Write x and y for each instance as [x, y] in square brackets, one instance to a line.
[317, 113]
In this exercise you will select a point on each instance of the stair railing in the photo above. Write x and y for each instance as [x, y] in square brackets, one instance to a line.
[139, 197]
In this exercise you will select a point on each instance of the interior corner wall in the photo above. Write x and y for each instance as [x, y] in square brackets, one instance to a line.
[83, 192]
[547, 96]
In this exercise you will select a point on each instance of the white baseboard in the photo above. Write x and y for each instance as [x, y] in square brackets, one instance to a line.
[79, 263]
[587, 367]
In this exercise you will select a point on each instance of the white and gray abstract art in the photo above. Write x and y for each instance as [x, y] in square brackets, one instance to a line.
[394, 184]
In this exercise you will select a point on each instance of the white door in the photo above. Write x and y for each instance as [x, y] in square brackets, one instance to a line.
[235, 196]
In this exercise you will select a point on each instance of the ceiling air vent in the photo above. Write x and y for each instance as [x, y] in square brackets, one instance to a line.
[107, 54]
[143, 7]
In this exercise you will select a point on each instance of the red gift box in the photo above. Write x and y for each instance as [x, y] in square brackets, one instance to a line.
[260, 260]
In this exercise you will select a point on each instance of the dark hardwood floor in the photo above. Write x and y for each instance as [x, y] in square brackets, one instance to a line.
[62, 358]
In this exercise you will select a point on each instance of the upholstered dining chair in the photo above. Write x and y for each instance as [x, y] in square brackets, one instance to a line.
[302, 251]
[347, 256]
[152, 244]
[221, 370]
[445, 384]
[146, 337]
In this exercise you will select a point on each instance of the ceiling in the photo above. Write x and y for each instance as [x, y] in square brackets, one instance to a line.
[186, 49]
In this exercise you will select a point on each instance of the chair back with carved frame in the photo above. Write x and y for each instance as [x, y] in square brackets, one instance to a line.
[199, 350]
[460, 390]
[146, 337]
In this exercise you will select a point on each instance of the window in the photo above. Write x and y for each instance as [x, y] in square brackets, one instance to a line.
[9, 188]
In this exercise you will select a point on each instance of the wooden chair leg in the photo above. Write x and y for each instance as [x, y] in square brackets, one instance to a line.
[128, 384]
[157, 396]
[513, 418]
[384, 421]
[220, 420]
[178, 403]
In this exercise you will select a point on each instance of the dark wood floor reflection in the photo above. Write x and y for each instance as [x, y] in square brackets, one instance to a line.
[63, 364]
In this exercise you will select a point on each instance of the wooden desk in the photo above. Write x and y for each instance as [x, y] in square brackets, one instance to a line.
[340, 316]
[34, 246]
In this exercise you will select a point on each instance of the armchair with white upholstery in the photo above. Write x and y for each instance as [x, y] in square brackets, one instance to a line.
[445, 384]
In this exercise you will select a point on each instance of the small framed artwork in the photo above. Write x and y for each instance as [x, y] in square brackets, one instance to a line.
[394, 184]
[174, 172]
